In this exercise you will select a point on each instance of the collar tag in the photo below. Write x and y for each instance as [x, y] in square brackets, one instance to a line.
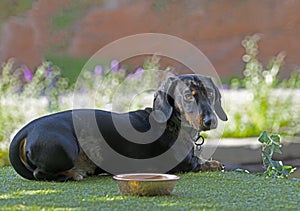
[199, 141]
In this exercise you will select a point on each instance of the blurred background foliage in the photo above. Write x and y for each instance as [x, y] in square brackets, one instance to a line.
[259, 101]
[13, 8]
[26, 95]
[267, 101]
[66, 16]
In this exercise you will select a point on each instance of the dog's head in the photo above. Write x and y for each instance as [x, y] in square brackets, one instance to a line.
[194, 98]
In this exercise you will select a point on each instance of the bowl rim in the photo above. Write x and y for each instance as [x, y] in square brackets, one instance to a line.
[167, 177]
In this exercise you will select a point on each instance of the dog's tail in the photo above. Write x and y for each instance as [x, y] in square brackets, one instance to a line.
[17, 154]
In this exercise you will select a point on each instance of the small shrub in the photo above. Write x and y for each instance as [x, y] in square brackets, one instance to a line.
[271, 145]
[266, 107]
[25, 95]
[117, 89]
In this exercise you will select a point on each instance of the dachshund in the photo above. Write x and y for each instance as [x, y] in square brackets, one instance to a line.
[52, 147]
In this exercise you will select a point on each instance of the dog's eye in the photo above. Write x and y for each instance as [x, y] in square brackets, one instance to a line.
[194, 92]
[188, 97]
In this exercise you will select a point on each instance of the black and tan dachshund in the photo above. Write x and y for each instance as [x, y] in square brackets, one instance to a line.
[49, 148]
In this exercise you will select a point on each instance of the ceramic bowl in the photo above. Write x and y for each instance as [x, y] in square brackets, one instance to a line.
[146, 184]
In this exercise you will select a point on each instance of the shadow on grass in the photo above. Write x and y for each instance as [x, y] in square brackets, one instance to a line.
[207, 190]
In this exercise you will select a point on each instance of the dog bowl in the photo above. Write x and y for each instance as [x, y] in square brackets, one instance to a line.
[146, 184]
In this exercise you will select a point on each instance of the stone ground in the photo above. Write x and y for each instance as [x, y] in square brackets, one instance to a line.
[246, 153]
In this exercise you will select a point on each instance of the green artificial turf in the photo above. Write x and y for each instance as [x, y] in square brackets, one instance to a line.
[194, 191]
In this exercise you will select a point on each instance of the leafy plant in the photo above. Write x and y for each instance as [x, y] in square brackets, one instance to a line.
[64, 20]
[10, 8]
[47, 81]
[25, 95]
[270, 145]
[119, 89]
[265, 106]
[68, 14]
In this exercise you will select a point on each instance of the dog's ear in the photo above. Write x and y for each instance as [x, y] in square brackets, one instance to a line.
[218, 107]
[163, 102]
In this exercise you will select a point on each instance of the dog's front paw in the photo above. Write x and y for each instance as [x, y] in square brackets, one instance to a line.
[212, 165]
[77, 177]
[72, 175]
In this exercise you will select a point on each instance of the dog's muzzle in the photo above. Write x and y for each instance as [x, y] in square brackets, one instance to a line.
[210, 122]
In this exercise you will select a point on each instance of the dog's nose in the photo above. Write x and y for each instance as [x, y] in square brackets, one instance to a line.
[209, 122]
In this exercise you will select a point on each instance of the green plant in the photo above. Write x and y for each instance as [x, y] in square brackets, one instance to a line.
[265, 106]
[17, 80]
[47, 81]
[70, 66]
[293, 81]
[10, 8]
[112, 87]
[161, 5]
[4, 160]
[25, 95]
[67, 15]
[271, 145]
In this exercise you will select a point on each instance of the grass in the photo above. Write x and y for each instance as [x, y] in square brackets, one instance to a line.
[70, 67]
[194, 191]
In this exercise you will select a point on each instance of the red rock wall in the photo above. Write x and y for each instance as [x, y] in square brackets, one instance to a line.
[215, 27]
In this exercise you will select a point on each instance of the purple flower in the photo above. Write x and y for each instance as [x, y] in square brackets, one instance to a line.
[27, 73]
[49, 71]
[171, 74]
[114, 66]
[137, 74]
[98, 70]
[48, 74]
[225, 86]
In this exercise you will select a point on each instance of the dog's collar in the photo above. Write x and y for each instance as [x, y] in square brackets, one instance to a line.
[195, 134]
[198, 141]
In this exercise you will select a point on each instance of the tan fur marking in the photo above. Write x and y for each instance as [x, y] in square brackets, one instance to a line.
[180, 107]
[195, 120]
[74, 175]
[22, 154]
[212, 165]
[194, 92]
[83, 166]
